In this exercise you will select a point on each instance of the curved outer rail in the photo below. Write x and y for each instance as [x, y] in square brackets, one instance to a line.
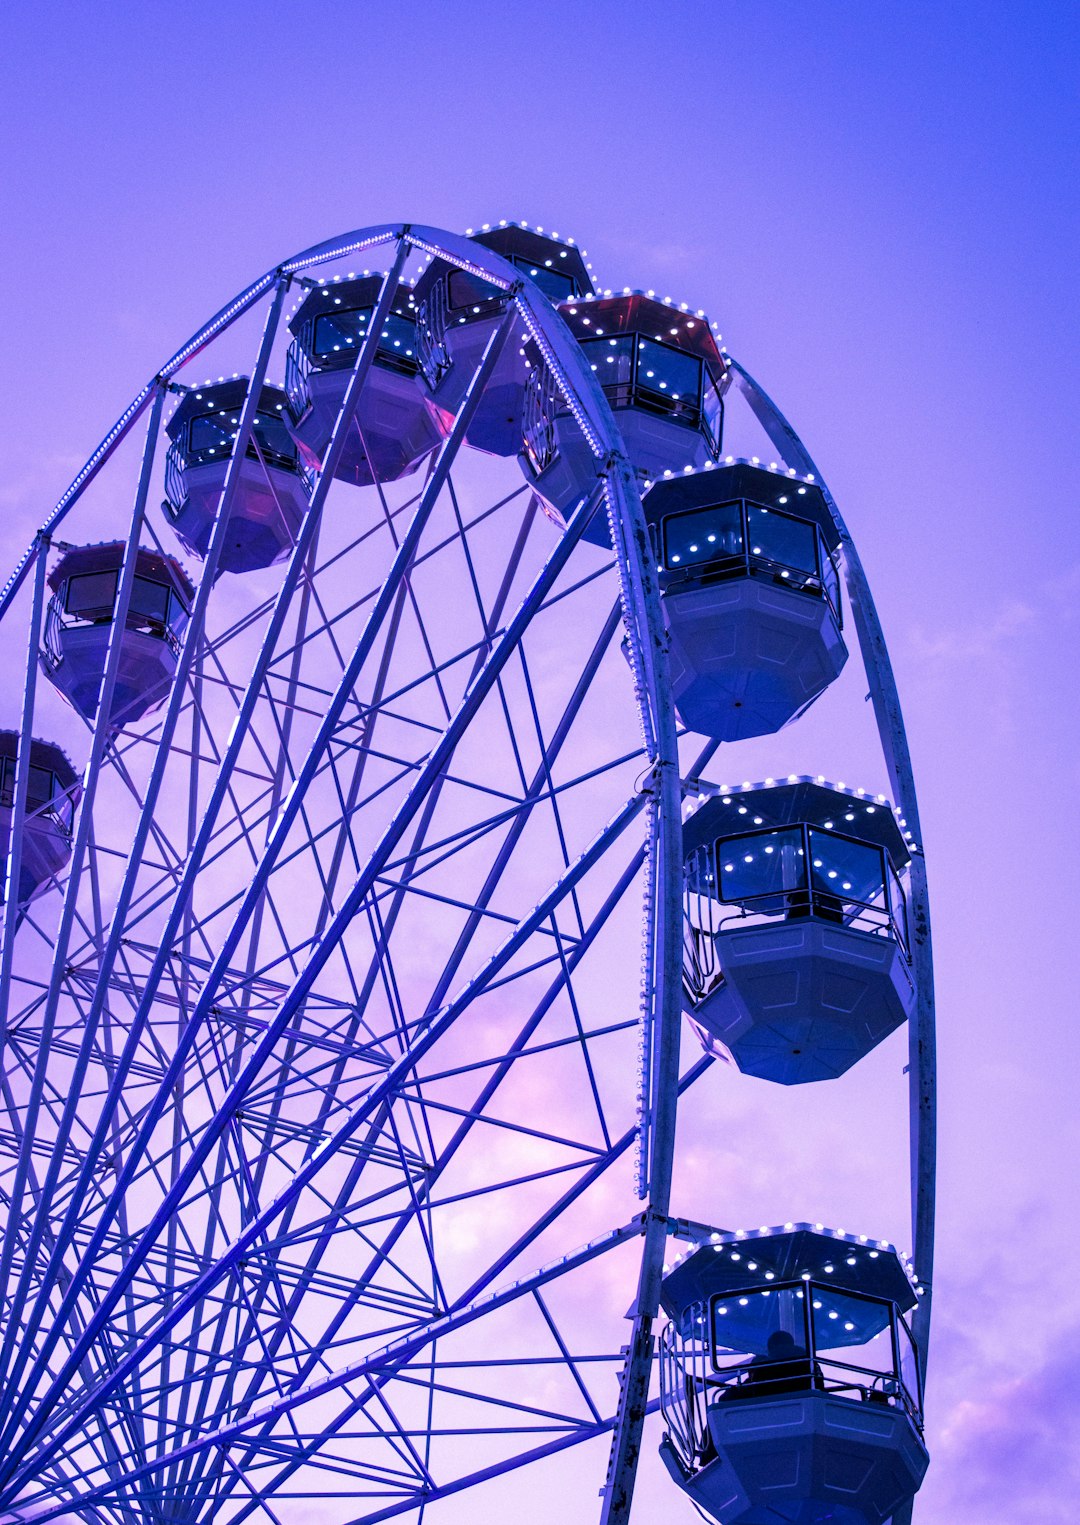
[647, 649]
[922, 1066]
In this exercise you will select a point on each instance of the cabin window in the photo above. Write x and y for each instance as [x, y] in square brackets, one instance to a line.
[704, 535]
[91, 595]
[468, 290]
[776, 537]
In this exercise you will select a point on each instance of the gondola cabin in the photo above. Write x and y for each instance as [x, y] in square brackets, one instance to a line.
[460, 310]
[662, 372]
[79, 626]
[790, 1382]
[395, 424]
[272, 490]
[52, 794]
[797, 945]
[747, 562]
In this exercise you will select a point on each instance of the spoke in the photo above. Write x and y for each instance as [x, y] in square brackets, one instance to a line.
[340, 1135]
[331, 1032]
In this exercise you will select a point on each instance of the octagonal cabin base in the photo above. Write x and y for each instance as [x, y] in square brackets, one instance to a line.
[268, 506]
[806, 1459]
[45, 853]
[147, 664]
[464, 344]
[496, 425]
[804, 1000]
[52, 794]
[748, 656]
[654, 444]
[394, 429]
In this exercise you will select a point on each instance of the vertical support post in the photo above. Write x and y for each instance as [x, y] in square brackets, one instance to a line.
[663, 1013]
[647, 645]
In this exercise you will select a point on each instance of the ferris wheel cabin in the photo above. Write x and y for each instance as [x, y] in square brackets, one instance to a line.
[751, 596]
[662, 372]
[79, 623]
[459, 312]
[790, 1381]
[395, 424]
[51, 797]
[273, 487]
[797, 954]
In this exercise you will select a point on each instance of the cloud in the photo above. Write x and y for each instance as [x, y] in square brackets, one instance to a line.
[973, 642]
[1009, 1449]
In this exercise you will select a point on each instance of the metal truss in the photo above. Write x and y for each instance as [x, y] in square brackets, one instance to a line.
[316, 1055]
[358, 1002]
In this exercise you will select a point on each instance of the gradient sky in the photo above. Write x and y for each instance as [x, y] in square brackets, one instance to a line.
[874, 201]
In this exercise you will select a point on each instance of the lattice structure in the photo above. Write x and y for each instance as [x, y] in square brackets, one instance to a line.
[348, 1003]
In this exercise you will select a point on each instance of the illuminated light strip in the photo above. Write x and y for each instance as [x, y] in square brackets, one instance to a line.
[552, 236]
[301, 262]
[223, 319]
[558, 371]
[504, 283]
[704, 790]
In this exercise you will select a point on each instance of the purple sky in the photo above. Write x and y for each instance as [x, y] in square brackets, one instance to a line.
[873, 203]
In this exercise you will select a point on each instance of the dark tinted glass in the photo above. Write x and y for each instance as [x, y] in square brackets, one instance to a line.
[179, 612]
[669, 372]
[792, 543]
[713, 413]
[611, 359]
[468, 290]
[339, 334]
[91, 593]
[853, 1342]
[848, 870]
[909, 1362]
[150, 599]
[743, 1321]
[340, 330]
[212, 433]
[41, 786]
[399, 337]
[272, 436]
[704, 535]
[762, 1334]
[553, 283]
[766, 863]
[740, 1330]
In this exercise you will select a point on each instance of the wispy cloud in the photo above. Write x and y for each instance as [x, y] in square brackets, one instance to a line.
[1010, 1449]
[969, 642]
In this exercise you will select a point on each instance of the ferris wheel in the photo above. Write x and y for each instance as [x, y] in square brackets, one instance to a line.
[362, 873]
